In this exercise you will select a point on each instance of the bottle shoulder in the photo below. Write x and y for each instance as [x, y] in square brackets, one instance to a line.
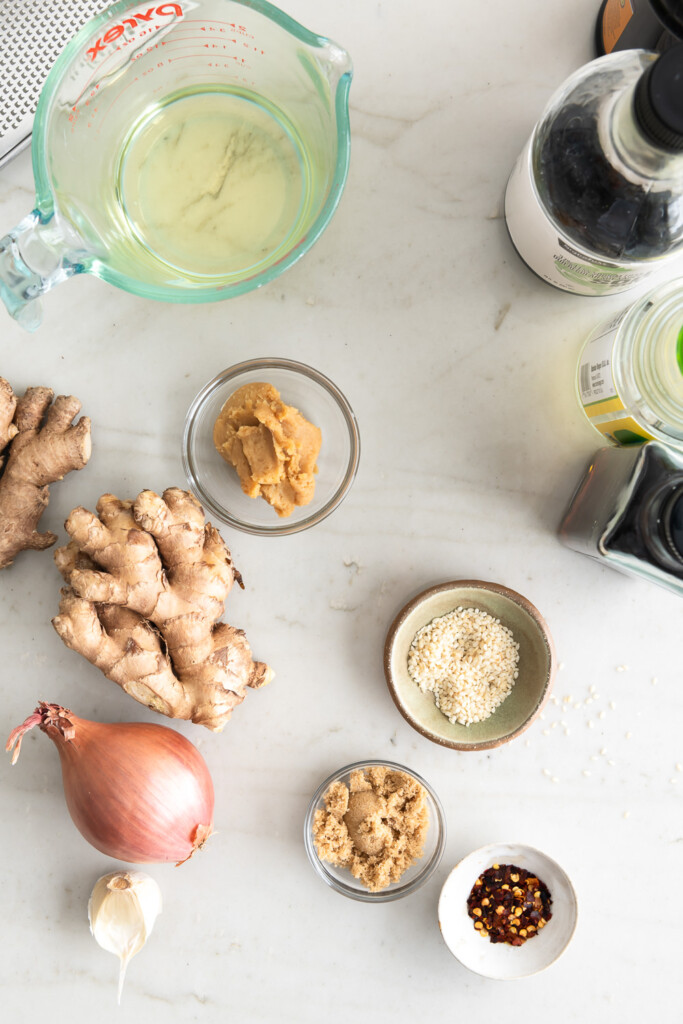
[597, 177]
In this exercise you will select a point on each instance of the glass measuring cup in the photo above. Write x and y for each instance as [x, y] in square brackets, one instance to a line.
[184, 151]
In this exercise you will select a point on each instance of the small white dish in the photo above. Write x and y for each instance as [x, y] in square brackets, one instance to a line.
[499, 960]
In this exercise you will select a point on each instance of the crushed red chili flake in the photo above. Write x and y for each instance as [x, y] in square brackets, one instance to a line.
[509, 904]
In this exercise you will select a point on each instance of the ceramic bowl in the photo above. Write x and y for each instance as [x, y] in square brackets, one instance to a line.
[536, 664]
[499, 960]
[215, 482]
[341, 879]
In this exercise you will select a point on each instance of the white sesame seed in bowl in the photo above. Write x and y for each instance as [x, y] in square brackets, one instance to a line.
[469, 664]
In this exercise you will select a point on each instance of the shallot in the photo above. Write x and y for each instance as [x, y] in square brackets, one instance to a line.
[137, 792]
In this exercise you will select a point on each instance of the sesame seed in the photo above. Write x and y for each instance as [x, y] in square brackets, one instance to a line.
[554, 779]
[585, 772]
[590, 723]
[654, 680]
[613, 705]
[627, 814]
[622, 668]
[679, 767]
[628, 735]
[468, 660]
[601, 714]
[611, 763]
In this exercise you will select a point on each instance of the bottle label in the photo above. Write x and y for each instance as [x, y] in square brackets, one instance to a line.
[616, 15]
[598, 392]
[550, 253]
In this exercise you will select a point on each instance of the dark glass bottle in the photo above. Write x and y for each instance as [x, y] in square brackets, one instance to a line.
[628, 512]
[638, 25]
[594, 203]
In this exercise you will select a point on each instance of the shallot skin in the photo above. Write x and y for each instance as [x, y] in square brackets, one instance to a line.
[138, 792]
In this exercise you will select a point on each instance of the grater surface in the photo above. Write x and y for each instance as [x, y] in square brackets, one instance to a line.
[32, 35]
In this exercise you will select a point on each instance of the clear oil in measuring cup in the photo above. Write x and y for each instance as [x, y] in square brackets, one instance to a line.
[213, 183]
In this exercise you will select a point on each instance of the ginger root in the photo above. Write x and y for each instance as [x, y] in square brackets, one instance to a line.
[147, 584]
[39, 443]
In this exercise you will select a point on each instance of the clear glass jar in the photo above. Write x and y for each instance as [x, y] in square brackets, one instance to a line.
[630, 373]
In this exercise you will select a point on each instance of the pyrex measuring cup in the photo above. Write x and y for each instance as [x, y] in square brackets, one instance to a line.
[182, 151]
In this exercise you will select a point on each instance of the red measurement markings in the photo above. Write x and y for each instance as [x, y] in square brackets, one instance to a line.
[206, 26]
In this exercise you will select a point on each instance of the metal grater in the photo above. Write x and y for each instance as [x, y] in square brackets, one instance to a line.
[32, 35]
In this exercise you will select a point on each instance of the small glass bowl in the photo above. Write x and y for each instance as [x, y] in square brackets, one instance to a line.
[341, 879]
[216, 484]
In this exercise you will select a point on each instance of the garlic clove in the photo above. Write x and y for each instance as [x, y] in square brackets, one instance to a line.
[122, 909]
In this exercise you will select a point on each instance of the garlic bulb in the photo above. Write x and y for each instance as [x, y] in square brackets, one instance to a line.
[122, 909]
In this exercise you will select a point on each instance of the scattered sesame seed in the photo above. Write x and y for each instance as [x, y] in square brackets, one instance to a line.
[588, 700]
[603, 751]
[679, 767]
[585, 772]
[546, 732]
[563, 723]
[590, 723]
[622, 668]
[554, 779]
[594, 757]
[561, 666]
[628, 735]
[654, 680]
[611, 763]
[591, 689]
[601, 714]
[627, 814]
[553, 725]
[673, 781]
[613, 705]
[546, 771]
[577, 706]
[566, 732]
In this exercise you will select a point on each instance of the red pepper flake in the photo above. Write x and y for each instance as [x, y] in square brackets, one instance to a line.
[509, 904]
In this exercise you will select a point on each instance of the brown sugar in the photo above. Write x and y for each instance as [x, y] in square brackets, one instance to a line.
[271, 445]
[376, 827]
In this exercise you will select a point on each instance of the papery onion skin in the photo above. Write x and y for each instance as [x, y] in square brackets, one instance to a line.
[138, 792]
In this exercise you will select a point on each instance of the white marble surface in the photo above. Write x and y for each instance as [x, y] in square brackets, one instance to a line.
[459, 364]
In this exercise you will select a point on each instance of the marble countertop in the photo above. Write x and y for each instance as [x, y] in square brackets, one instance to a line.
[460, 367]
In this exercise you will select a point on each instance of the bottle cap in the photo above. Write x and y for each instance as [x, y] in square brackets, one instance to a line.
[672, 521]
[659, 100]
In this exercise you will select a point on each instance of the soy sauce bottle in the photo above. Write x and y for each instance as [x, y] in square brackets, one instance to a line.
[628, 512]
[594, 203]
[638, 25]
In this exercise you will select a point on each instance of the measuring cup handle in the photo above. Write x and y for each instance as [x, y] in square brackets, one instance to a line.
[33, 259]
